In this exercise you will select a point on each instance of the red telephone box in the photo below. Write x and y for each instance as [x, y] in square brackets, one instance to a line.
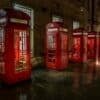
[14, 46]
[79, 45]
[91, 45]
[56, 46]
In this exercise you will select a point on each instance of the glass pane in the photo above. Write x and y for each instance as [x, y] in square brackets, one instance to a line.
[1, 50]
[20, 49]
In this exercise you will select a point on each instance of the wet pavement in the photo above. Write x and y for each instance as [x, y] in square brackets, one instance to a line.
[75, 83]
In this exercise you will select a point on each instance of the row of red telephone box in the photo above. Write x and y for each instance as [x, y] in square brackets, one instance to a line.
[15, 46]
[85, 46]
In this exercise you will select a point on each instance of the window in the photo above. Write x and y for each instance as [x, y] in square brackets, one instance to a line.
[2, 47]
[56, 18]
[76, 24]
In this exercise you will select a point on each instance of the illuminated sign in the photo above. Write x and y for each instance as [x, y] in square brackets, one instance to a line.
[15, 20]
[52, 29]
[77, 33]
[91, 35]
[63, 29]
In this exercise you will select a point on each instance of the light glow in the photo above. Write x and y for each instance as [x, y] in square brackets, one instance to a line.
[97, 63]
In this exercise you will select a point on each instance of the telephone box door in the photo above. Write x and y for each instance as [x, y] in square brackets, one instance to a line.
[21, 50]
[64, 49]
[77, 48]
[51, 54]
[91, 46]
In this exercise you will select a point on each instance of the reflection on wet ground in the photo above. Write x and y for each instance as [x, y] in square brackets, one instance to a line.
[75, 83]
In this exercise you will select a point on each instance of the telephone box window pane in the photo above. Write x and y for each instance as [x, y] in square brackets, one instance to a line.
[77, 46]
[1, 40]
[51, 41]
[20, 49]
[2, 50]
[76, 24]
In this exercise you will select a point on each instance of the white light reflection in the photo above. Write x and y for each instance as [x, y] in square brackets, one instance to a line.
[97, 49]
[97, 63]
